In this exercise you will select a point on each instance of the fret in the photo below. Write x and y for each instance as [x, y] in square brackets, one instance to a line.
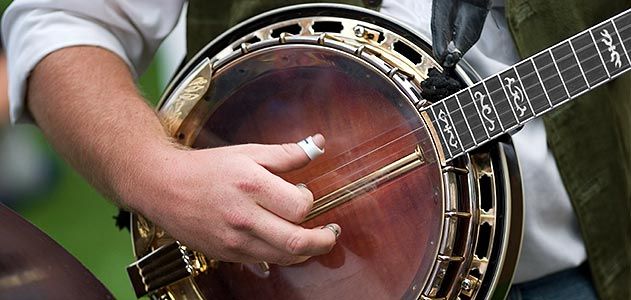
[556, 66]
[447, 111]
[599, 55]
[487, 110]
[464, 116]
[568, 68]
[514, 92]
[533, 87]
[465, 136]
[473, 116]
[466, 120]
[589, 58]
[504, 108]
[610, 48]
[550, 77]
[578, 62]
[543, 87]
[622, 24]
[448, 135]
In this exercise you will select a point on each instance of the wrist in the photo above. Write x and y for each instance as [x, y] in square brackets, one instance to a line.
[143, 172]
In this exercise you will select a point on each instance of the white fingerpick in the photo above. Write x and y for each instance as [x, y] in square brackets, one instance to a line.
[310, 148]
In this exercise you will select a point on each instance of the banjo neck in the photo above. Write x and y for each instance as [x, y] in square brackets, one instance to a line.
[505, 101]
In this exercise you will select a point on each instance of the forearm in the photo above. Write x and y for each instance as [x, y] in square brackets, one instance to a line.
[85, 101]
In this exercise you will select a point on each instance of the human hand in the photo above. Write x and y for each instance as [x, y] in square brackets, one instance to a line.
[227, 202]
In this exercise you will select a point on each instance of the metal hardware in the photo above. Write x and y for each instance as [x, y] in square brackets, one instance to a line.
[264, 267]
[283, 37]
[164, 266]
[422, 104]
[180, 103]
[359, 31]
[469, 285]
[244, 48]
[394, 71]
[366, 33]
[165, 296]
[459, 214]
[450, 258]
[466, 284]
[456, 170]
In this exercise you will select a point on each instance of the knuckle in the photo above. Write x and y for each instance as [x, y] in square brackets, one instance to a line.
[297, 244]
[301, 209]
[234, 243]
[250, 186]
[239, 221]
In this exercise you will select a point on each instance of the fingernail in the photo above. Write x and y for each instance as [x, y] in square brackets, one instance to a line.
[319, 140]
[336, 229]
[301, 185]
[310, 147]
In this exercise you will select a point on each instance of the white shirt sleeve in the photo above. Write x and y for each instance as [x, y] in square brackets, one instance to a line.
[32, 29]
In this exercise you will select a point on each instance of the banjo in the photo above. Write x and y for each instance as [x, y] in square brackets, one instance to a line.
[428, 193]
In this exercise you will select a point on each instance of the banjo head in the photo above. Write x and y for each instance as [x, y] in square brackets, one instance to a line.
[414, 225]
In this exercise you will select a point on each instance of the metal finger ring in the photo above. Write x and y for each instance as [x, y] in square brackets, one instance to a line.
[334, 228]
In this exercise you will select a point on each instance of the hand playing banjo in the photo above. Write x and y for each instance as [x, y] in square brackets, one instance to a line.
[227, 203]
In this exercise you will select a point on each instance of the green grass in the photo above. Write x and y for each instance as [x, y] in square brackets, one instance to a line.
[80, 219]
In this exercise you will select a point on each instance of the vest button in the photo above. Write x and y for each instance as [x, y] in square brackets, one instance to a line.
[372, 3]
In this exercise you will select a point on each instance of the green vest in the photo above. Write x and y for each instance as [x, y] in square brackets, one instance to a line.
[590, 137]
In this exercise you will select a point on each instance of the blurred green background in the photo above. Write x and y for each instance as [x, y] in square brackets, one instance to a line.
[80, 219]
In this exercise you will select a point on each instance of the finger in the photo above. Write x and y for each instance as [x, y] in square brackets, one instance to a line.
[469, 22]
[288, 201]
[240, 242]
[262, 251]
[257, 250]
[283, 157]
[442, 26]
[293, 239]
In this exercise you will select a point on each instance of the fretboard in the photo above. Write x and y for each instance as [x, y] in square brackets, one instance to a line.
[505, 101]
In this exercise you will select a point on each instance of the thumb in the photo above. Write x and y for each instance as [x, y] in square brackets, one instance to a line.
[285, 157]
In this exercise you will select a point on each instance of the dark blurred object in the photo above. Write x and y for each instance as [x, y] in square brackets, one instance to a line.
[26, 169]
[33, 266]
[123, 220]
[457, 21]
[439, 86]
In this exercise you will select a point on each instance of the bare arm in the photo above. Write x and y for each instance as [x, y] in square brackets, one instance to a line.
[4, 98]
[223, 201]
